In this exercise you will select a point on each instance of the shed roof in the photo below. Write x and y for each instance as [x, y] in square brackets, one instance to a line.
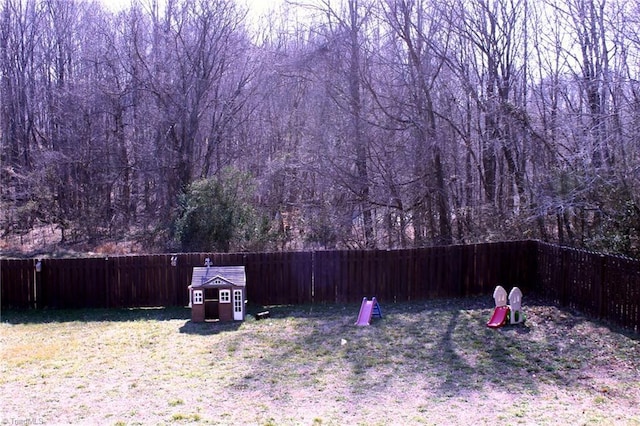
[204, 276]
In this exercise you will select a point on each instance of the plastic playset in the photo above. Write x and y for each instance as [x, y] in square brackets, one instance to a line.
[503, 313]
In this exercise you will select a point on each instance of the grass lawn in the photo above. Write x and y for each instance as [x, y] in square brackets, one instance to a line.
[431, 362]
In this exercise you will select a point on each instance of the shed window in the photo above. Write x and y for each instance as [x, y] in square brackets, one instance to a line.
[197, 297]
[225, 296]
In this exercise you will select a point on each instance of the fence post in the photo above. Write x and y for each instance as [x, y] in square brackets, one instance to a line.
[37, 277]
[563, 278]
[107, 286]
[313, 277]
[601, 293]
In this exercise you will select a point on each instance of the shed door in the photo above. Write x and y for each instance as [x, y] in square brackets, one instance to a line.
[237, 305]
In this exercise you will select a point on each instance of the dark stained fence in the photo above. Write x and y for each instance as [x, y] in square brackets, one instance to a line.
[141, 281]
[72, 283]
[279, 278]
[418, 274]
[345, 276]
[600, 286]
[621, 300]
[18, 283]
[341, 276]
[606, 287]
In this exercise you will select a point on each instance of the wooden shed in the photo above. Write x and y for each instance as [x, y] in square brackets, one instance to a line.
[218, 293]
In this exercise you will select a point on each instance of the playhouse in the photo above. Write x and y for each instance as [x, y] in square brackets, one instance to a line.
[217, 293]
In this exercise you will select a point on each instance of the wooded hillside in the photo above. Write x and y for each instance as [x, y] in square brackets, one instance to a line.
[327, 124]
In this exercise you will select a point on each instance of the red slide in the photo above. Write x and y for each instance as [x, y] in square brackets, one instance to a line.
[499, 317]
[366, 310]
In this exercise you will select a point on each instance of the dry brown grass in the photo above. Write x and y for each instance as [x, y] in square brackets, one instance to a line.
[423, 363]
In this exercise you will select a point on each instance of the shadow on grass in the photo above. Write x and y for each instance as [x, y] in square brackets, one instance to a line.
[551, 348]
[45, 316]
[470, 356]
[323, 348]
[209, 328]
[456, 373]
[443, 346]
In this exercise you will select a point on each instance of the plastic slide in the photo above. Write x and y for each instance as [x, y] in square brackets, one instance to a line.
[499, 317]
[366, 311]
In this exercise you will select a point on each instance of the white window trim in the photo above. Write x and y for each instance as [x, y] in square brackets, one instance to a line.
[198, 297]
[237, 300]
[225, 296]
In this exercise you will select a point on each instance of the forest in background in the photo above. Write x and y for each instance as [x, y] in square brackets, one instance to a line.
[186, 125]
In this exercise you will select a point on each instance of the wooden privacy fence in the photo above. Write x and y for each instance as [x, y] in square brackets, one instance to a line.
[600, 286]
[425, 273]
[607, 287]
[272, 278]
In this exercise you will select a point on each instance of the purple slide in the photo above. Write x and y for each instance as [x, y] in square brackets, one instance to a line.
[366, 311]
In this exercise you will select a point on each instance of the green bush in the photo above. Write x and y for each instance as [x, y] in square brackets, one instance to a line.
[217, 214]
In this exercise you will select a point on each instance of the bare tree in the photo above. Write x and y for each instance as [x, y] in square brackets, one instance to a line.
[424, 45]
